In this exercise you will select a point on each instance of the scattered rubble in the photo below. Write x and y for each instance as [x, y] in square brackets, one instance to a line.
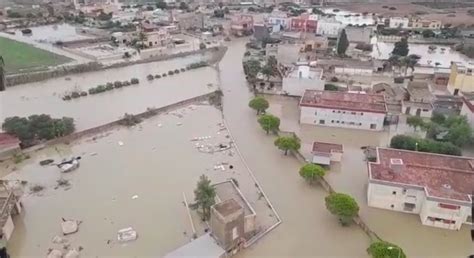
[36, 188]
[54, 253]
[46, 162]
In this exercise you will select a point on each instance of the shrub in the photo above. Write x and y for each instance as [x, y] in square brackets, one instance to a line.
[406, 142]
[129, 120]
[382, 249]
[126, 83]
[164, 75]
[157, 76]
[183, 70]
[134, 81]
[118, 84]
[392, 8]
[109, 86]
[330, 87]
[92, 91]
[101, 88]
[83, 93]
[170, 72]
[75, 95]
[67, 97]
[176, 71]
[150, 77]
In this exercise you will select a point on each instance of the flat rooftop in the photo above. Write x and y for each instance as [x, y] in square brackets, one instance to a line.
[443, 176]
[204, 246]
[227, 190]
[344, 100]
[228, 207]
[325, 147]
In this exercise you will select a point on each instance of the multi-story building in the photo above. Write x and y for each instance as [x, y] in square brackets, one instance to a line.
[424, 24]
[467, 109]
[419, 102]
[398, 22]
[280, 20]
[343, 109]
[437, 187]
[329, 27]
[304, 24]
[241, 25]
[461, 78]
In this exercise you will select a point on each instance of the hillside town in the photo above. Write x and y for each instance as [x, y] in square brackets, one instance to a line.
[227, 128]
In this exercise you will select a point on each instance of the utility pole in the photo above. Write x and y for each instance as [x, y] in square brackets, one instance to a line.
[3, 82]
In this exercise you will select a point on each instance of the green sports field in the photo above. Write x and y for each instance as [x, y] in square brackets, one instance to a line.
[21, 57]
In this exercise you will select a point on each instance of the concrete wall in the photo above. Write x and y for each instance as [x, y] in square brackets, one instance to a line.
[341, 118]
[227, 233]
[353, 71]
[408, 110]
[393, 198]
[431, 208]
[297, 86]
[250, 224]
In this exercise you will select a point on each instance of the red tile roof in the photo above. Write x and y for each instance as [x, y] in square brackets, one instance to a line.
[8, 140]
[443, 176]
[344, 101]
[324, 147]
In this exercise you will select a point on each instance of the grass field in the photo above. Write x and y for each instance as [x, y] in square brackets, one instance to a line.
[21, 57]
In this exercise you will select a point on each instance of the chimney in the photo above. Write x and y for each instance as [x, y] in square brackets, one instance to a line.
[396, 165]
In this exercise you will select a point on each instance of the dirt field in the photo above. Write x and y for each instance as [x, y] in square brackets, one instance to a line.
[445, 15]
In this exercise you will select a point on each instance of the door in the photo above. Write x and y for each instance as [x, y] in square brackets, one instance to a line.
[407, 111]
[418, 112]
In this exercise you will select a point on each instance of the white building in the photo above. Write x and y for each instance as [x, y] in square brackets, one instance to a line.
[302, 78]
[324, 153]
[343, 109]
[420, 100]
[437, 187]
[399, 22]
[354, 68]
[468, 110]
[329, 27]
[279, 19]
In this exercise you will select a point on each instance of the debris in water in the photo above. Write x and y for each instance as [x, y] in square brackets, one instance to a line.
[126, 234]
[63, 182]
[46, 162]
[93, 154]
[134, 197]
[159, 125]
[54, 253]
[179, 123]
[70, 226]
[73, 253]
[120, 143]
[68, 165]
[59, 240]
[36, 188]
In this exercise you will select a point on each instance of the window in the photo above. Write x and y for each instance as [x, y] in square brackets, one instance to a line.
[353, 113]
[315, 113]
[337, 121]
[394, 192]
[404, 191]
[321, 122]
[392, 206]
[373, 126]
[425, 110]
[449, 206]
[334, 111]
[361, 113]
[332, 121]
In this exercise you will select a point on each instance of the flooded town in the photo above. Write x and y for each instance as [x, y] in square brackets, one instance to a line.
[249, 129]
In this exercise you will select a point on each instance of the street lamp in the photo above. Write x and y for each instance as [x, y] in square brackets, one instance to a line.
[398, 248]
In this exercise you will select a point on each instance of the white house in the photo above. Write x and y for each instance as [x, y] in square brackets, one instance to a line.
[399, 22]
[302, 78]
[420, 100]
[329, 27]
[324, 153]
[279, 19]
[343, 109]
[437, 187]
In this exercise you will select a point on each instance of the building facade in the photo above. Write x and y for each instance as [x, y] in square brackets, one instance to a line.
[303, 24]
[424, 24]
[437, 187]
[329, 27]
[398, 22]
[461, 78]
[343, 109]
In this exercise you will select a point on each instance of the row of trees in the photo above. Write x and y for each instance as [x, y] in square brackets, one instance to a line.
[253, 67]
[36, 128]
[341, 205]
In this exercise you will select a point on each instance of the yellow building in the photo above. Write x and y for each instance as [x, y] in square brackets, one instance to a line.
[461, 78]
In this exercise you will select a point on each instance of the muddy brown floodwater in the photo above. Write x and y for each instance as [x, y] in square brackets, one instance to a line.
[94, 110]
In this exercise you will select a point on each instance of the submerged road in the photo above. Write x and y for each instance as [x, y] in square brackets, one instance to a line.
[308, 229]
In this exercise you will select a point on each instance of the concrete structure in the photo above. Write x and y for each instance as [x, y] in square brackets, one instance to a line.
[467, 109]
[399, 22]
[304, 24]
[261, 32]
[424, 24]
[329, 27]
[364, 68]
[324, 153]
[419, 102]
[10, 205]
[359, 34]
[448, 105]
[227, 224]
[461, 78]
[204, 246]
[9, 145]
[301, 78]
[241, 25]
[343, 109]
[160, 38]
[193, 20]
[437, 187]
[279, 19]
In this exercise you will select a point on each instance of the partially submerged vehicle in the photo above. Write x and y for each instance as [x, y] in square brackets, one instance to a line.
[68, 165]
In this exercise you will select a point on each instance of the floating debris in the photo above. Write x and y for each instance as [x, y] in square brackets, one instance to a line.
[126, 235]
[36, 188]
[54, 253]
[134, 197]
[70, 226]
[59, 240]
[69, 165]
[46, 162]
[120, 143]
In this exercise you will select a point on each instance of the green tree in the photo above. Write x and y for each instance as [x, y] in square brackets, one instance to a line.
[460, 134]
[401, 47]
[312, 172]
[202, 45]
[204, 195]
[342, 43]
[438, 118]
[330, 87]
[406, 142]
[267, 71]
[19, 127]
[428, 34]
[260, 104]
[382, 249]
[415, 122]
[269, 123]
[286, 143]
[343, 206]
[251, 68]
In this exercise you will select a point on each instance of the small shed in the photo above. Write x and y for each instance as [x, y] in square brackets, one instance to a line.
[324, 153]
